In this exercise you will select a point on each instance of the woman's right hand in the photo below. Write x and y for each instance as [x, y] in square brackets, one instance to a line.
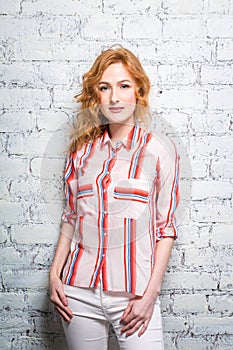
[58, 298]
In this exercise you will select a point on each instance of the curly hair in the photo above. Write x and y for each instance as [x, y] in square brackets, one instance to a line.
[90, 122]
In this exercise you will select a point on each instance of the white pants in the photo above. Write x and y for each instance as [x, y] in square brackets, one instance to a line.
[93, 311]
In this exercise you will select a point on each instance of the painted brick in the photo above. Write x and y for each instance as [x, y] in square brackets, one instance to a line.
[177, 75]
[46, 213]
[16, 322]
[222, 168]
[208, 258]
[182, 98]
[174, 324]
[9, 7]
[225, 50]
[193, 303]
[20, 74]
[38, 301]
[211, 146]
[6, 342]
[212, 325]
[221, 303]
[11, 300]
[48, 324]
[193, 344]
[45, 49]
[183, 7]
[19, 167]
[176, 51]
[226, 281]
[65, 98]
[24, 280]
[218, 6]
[52, 120]
[212, 210]
[53, 165]
[17, 122]
[33, 342]
[177, 120]
[222, 234]
[180, 280]
[54, 26]
[68, 7]
[221, 74]
[142, 27]
[3, 235]
[13, 258]
[212, 123]
[209, 189]
[101, 28]
[220, 26]
[183, 28]
[60, 74]
[4, 188]
[220, 98]
[199, 167]
[130, 7]
[35, 234]
[187, 235]
[26, 99]
[26, 27]
[6, 210]
[42, 143]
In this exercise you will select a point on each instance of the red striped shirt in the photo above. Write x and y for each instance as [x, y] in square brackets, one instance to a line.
[121, 200]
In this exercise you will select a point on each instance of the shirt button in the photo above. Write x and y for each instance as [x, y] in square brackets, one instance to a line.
[103, 255]
[105, 233]
[105, 212]
[105, 190]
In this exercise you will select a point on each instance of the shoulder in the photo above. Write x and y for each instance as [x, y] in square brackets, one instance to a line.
[162, 145]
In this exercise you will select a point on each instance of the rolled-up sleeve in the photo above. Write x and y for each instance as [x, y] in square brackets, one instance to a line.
[71, 183]
[167, 192]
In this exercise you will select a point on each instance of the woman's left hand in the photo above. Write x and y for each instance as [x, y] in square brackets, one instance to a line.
[137, 315]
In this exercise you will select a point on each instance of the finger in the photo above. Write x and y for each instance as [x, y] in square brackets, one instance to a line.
[130, 325]
[58, 304]
[134, 328]
[62, 297]
[143, 329]
[64, 314]
[126, 312]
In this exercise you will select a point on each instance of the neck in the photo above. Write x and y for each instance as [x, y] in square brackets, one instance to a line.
[118, 131]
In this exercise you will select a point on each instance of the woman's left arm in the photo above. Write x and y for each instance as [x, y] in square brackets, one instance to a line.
[139, 311]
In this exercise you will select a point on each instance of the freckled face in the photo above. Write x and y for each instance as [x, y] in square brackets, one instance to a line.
[117, 94]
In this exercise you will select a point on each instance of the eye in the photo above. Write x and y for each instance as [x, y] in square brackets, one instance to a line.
[103, 88]
[125, 86]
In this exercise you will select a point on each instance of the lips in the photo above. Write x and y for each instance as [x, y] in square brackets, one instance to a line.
[116, 109]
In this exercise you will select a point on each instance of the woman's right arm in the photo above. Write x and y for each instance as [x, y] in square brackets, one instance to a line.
[57, 295]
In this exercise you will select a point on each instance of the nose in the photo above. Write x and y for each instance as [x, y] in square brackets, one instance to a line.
[114, 98]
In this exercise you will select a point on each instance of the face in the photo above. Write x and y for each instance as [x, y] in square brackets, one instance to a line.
[117, 94]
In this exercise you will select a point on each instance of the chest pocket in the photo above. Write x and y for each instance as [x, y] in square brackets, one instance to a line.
[85, 196]
[131, 198]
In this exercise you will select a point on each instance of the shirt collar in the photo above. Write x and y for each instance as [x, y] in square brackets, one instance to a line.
[129, 141]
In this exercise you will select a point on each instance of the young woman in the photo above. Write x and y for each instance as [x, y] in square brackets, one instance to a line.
[121, 185]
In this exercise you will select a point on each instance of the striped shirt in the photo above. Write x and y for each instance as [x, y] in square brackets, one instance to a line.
[121, 200]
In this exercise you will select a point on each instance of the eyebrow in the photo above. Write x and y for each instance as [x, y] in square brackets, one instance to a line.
[119, 82]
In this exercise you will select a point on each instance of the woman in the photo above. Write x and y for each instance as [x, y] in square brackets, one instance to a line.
[119, 223]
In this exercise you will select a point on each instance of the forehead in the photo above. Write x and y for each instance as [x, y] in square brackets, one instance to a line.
[116, 71]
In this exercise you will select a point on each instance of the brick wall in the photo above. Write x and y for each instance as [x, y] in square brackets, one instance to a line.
[186, 48]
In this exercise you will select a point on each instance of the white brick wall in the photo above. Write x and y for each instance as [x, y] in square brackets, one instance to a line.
[186, 48]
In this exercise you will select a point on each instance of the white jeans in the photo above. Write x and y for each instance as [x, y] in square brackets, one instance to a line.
[93, 311]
